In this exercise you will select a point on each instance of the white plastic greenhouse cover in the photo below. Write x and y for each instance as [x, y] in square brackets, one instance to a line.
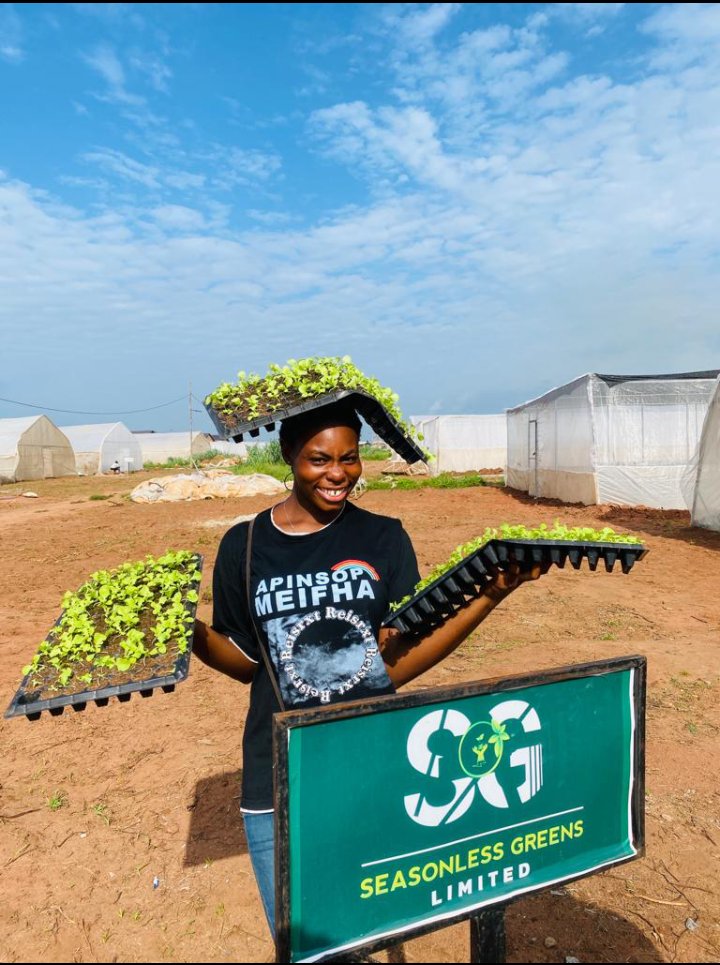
[462, 443]
[32, 447]
[706, 502]
[610, 439]
[161, 446]
[229, 448]
[98, 446]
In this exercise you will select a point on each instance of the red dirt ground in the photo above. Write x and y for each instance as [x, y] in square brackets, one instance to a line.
[149, 789]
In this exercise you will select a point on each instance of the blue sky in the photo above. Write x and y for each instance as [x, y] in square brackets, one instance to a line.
[476, 202]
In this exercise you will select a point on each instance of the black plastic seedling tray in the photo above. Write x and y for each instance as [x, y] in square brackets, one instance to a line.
[466, 580]
[375, 414]
[25, 702]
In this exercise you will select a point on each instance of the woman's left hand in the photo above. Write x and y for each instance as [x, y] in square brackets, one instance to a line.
[505, 581]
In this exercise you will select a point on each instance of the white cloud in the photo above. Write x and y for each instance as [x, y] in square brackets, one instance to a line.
[11, 49]
[117, 163]
[111, 12]
[688, 33]
[584, 11]
[269, 218]
[143, 67]
[417, 26]
[694, 22]
[105, 61]
[151, 66]
[246, 167]
[185, 180]
[178, 217]
[522, 223]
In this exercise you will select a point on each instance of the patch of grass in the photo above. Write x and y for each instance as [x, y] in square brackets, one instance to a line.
[102, 811]
[278, 471]
[444, 480]
[268, 452]
[57, 800]
[183, 462]
[266, 459]
[99, 496]
[172, 463]
[373, 453]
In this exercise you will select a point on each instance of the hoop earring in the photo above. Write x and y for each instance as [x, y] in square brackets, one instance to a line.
[285, 480]
[358, 489]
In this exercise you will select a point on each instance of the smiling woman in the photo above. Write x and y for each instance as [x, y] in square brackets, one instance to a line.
[322, 448]
[300, 595]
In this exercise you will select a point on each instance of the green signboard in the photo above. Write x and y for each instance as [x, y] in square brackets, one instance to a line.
[408, 812]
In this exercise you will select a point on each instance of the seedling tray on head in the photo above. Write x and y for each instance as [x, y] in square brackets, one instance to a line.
[27, 703]
[375, 414]
[466, 581]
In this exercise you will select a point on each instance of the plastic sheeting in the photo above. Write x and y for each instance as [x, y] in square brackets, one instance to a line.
[161, 446]
[34, 448]
[618, 439]
[98, 446]
[213, 484]
[462, 443]
[706, 501]
[229, 448]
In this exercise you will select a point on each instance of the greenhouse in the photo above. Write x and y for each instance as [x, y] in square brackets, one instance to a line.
[33, 447]
[162, 446]
[623, 439]
[706, 495]
[97, 447]
[238, 450]
[462, 443]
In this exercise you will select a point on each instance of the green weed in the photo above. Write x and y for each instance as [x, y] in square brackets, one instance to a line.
[57, 800]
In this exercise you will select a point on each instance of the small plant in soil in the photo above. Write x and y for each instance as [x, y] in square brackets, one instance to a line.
[57, 800]
[130, 623]
[288, 385]
[559, 532]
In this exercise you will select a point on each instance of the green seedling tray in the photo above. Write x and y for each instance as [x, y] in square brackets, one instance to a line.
[465, 581]
[27, 703]
[375, 414]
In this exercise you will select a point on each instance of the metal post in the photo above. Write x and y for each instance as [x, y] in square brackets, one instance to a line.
[487, 937]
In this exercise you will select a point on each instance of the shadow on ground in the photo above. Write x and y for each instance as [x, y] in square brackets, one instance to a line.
[216, 828]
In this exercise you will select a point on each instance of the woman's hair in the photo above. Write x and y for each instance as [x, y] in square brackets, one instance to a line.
[295, 430]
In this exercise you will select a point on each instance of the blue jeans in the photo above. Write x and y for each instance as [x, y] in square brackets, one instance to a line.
[260, 834]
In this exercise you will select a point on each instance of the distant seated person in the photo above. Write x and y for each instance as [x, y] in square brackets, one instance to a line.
[115, 466]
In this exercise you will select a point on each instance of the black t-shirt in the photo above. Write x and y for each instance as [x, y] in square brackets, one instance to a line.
[318, 602]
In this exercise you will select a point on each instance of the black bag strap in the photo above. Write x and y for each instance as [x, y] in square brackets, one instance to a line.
[263, 650]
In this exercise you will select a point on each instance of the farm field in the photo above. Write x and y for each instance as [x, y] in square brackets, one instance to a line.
[121, 838]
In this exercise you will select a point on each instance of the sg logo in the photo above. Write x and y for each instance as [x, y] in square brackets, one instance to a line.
[450, 738]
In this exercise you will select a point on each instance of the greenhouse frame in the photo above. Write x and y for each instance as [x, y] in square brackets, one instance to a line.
[32, 447]
[98, 446]
[706, 494]
[622, 439]
[463, 443]
[159, 447]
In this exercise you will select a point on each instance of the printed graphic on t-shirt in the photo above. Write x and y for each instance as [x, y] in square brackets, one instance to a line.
[325, 654]
[344, 583]
[329, 650]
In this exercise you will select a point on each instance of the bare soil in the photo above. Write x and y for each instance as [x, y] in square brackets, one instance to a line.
[121, 839]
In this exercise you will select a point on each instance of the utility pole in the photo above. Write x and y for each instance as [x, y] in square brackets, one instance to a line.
[190, 411]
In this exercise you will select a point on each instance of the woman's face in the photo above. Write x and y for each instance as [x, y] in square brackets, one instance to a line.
[326, 467]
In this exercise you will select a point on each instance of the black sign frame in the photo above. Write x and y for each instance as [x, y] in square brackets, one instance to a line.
[486, 926]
